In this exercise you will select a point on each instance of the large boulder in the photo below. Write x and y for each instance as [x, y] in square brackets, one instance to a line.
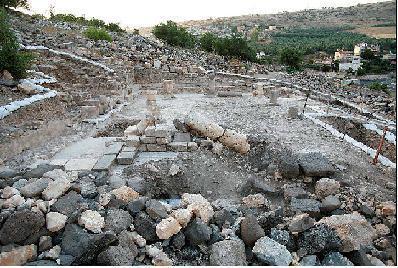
[20, 226]
[228, 253]
[353, 230]
[271, 252]
[84, 247]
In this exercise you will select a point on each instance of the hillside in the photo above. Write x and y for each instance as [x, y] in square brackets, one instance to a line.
[357, 16]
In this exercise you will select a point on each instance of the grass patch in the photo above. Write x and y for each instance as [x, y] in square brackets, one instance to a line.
[97, 34]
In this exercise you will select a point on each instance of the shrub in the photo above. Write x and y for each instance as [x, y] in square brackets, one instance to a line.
[291, 57]
[96, 23]
[13, 3]
[97, 34]
[174, 35]
[114, 27]
[11, 58]
[378, 86]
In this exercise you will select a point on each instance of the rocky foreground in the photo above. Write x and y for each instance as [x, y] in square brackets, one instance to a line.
[53, 217]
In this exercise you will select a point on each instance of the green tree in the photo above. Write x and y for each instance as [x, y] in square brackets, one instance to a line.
[291, 57]
[14, 3]
[11, 58]
[174, 35]
[367, 54]
[208, 41]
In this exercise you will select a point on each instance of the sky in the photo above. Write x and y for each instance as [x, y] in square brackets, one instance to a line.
[144, 13]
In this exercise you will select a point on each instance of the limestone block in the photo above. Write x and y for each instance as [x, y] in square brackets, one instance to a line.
[204, 127]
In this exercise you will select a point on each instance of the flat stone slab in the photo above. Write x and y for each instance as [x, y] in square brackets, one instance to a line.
[144, 157]
[105, 162]
[84, 154]
[87, 148]
[114, 148]
[126, 158]
[80, 164]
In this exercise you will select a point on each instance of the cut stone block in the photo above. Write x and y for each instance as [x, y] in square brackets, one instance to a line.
[182, 137]
[126, 158]
[142, 148]
[105, 162]
[162, 131]
[163, 141]
[150, 131]
[80, 164]
[133, 141]
[89, 111]
[148, 140]
[192, 146]
[156, 148]
[178, 146]
[131, 131]
[129, 149]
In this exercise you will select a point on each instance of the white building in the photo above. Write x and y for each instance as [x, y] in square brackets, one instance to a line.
[353, 62]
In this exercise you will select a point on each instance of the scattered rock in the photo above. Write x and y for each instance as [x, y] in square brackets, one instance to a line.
[145, 226]
[183, 216]
[159, 258]
[125, 193]
[311, 260]
[280, 236]
[255, 201]
[388, 208]
[319, 238]
[271, 252]
[167, 228]
[314, 164]
[197, 232]
[18, 256]
[20, 225]
[35, 188]
[156, 210]
[84, 247]
[251, 230]
[310, 206]
[55, 189]
[69, 204]
[326, 186]
[9, 192]
[353, 230]
[92, 221]
[330, 203]
[199, 206]
[55, 221]
[118, 220]
[228, 253]
[300, 223]
[116, 256]
[336, 259]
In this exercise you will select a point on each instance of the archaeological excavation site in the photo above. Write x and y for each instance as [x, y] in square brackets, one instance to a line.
[136, 152]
